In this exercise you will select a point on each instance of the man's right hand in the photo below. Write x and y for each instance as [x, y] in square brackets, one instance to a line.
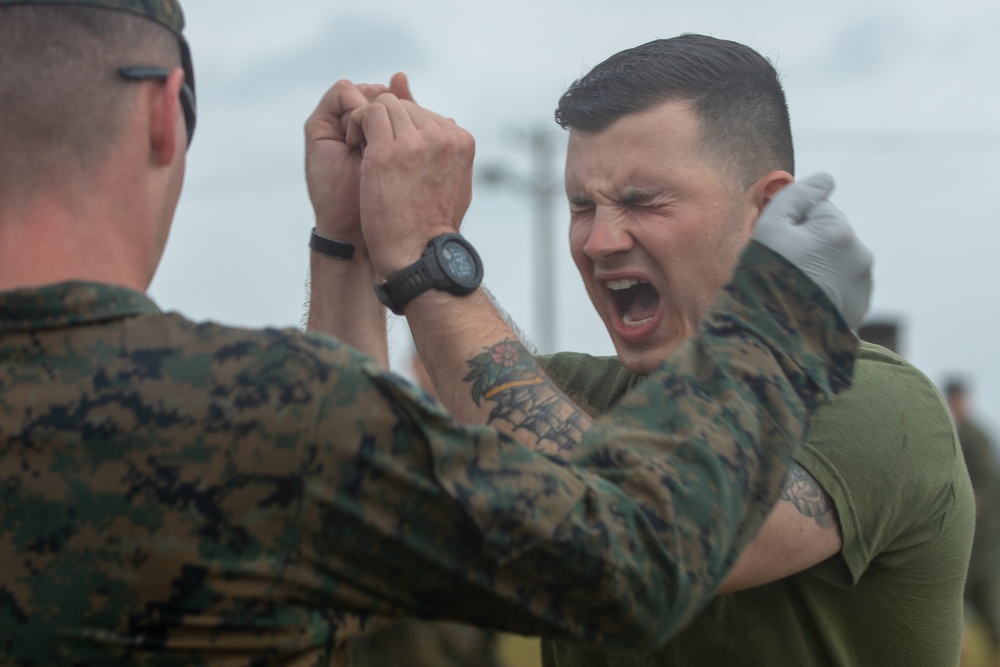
[803, 226]
[333, 155]
[416, 179]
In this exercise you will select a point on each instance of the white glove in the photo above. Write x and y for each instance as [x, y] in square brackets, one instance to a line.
[803, 226]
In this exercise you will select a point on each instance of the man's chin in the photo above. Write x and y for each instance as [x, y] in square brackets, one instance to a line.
[642, 362]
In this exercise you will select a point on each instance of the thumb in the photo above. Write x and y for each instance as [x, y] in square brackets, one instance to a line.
[399, 86]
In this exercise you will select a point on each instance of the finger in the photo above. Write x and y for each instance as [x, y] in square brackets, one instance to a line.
[326, 119]
[838, 236]
[399, 85]
[352, 128]
[427, 116]
[423, 118]
[794, 201]
[343, 97]
[419, 116]
[397, 113]
[376, 124]
[371, 90]
[354, 134]
[821, 182]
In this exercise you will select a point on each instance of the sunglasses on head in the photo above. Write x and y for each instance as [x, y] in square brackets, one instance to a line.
[188, 101]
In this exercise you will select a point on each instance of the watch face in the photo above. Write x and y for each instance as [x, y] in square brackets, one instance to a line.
[458, 262]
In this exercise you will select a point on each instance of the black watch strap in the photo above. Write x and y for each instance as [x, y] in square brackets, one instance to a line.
[324, 245]
[449, 263]
[407, 284]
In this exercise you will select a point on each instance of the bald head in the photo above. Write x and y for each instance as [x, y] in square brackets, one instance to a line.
[63, 103]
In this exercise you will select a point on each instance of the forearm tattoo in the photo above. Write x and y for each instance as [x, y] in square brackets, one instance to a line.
[507, 375]
[808, 497]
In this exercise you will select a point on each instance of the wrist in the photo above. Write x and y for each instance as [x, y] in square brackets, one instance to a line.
[448, 263]
[396, 259]
[331, 247]
[393, 256]
[347, 229]
[441, 311]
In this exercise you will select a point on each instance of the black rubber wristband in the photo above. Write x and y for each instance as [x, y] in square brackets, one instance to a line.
[330, 247]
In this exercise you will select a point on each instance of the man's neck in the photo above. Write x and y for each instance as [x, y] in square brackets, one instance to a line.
[58, 239]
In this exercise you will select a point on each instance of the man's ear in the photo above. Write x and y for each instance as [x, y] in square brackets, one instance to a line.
[167, 133]
[763, 191]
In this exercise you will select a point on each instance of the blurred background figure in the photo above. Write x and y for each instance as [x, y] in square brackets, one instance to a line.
[982, 589]
[884, 332]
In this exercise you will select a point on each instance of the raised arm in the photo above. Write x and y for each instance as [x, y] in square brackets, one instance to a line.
[341, 301]
[416, 185]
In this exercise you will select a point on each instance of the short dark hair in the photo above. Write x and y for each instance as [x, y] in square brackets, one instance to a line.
[62, 99]
[734, 90]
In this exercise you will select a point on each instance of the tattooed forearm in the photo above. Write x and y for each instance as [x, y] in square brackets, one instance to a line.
[525, 399]
[803, 491]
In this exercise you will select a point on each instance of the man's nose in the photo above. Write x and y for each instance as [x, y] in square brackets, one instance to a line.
[609, 234]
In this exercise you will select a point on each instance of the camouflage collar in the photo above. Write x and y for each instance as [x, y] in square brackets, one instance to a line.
[68, 304]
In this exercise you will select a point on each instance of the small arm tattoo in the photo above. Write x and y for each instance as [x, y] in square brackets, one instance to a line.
[506, 374]
[808, 497]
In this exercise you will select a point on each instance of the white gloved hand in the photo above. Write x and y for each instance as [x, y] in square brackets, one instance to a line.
[803, 226]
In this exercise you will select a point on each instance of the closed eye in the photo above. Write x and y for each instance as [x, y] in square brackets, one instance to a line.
[580, 206]
[640, 198]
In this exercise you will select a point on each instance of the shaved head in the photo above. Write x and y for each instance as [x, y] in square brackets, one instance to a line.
[62, 101]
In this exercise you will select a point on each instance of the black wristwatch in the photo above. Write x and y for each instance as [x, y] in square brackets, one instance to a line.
[449, 264]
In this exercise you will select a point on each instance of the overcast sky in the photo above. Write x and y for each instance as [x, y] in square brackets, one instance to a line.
[899, 100]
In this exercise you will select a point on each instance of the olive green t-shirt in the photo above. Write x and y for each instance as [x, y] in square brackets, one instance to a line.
[887, 455]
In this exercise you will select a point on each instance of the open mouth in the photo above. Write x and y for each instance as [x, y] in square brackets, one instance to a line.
[637, 301]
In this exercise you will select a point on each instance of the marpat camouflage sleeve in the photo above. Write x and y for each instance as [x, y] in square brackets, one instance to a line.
[631, 546]
[175, 493]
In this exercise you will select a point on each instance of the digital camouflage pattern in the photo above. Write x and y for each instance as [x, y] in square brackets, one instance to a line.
[176, 493]
[165, 12]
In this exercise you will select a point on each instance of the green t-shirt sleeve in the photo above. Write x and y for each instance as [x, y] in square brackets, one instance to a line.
[887, 455]
[593, 383]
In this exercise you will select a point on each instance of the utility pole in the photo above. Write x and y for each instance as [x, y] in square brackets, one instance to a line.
[542, 189]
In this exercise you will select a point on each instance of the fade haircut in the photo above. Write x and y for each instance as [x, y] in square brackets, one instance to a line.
[63, 102]
[734, 91]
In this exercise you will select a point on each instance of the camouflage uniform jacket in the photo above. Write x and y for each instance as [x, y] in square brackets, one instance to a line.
[176, 493]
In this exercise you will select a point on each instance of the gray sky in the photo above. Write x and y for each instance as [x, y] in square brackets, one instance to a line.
[899, 100]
